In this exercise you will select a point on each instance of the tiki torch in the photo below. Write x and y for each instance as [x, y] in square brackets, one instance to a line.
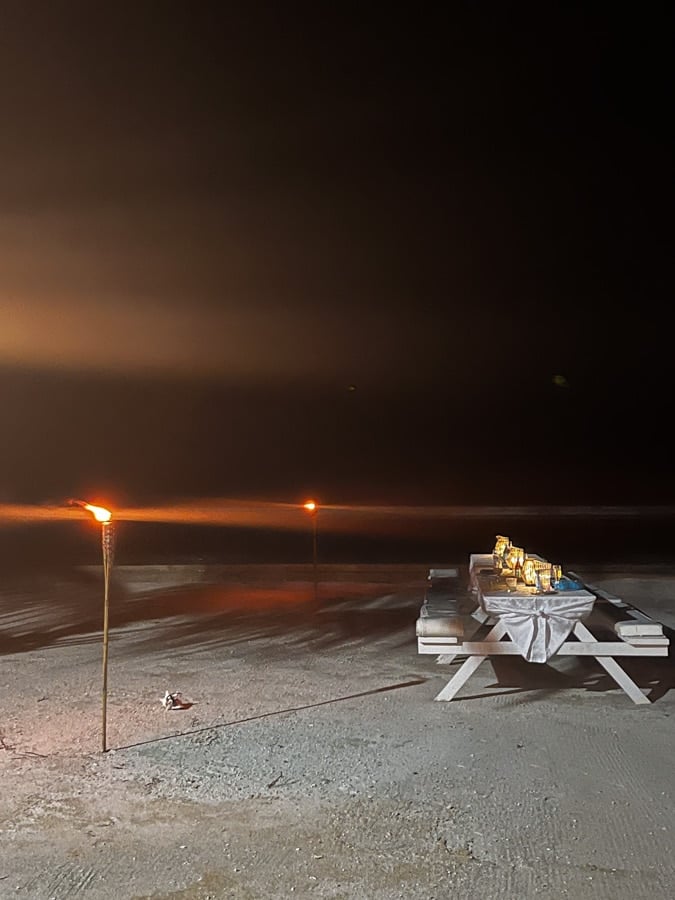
[104, 516]
[313, 510]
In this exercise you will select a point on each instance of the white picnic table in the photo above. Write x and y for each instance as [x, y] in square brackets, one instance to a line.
[535, 626]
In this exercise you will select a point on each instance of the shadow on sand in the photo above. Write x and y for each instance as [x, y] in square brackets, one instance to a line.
[277, 712]
[60, 609]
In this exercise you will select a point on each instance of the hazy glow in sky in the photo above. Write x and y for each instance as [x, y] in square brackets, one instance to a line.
[144, 336]
[113, 287]
[172, 206]
[134, 335]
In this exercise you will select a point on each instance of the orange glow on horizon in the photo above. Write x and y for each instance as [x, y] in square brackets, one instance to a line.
[310, 506]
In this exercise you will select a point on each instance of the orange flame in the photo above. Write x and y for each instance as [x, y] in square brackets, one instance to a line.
[310, 506]
[100, 513]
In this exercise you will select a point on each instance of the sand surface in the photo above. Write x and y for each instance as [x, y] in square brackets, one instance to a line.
[313, 761]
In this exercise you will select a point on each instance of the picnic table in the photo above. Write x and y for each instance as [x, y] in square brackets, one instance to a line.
[535, 625]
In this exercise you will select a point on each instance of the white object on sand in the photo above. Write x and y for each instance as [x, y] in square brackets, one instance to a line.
[174, 701]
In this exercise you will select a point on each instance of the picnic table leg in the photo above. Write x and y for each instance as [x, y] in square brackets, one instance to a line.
[612, 668]
[444, 659]
[469, 666]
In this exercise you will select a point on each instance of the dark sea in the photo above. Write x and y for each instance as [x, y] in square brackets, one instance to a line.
[597, 536]
[580, 473]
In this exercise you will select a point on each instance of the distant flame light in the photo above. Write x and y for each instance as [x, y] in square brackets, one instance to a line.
[310, 506]
[100, 513]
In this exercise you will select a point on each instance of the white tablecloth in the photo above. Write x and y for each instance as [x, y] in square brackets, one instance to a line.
[537, 623]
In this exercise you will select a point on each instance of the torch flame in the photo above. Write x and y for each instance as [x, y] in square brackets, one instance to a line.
[100, 513]
[310, 506]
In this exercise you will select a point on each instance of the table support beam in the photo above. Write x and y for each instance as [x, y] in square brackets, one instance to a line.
[612, 668]
[470, 665]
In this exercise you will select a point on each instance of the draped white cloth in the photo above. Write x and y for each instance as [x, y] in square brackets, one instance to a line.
[538, 623]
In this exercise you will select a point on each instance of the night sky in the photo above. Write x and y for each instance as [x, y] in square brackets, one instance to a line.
[369, 254]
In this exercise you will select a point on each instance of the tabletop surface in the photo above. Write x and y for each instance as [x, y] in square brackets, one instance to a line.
[493, 585]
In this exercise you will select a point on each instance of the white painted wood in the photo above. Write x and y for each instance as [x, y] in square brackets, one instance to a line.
[647, 640]
[569, 648]
[601, 594]
[433, 646]
[447, 658]
[443, 573]
[439, 643]
[639, 616]
[441, 640]
[480, 561]
[638, 623]
[473, 628]
[469, 666]
[449, 627]
[460, 678]
[613, 669]
[442, 649]
[634, 625]
[610, 598]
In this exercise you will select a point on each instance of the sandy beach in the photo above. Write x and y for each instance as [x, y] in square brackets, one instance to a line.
[311, 759]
